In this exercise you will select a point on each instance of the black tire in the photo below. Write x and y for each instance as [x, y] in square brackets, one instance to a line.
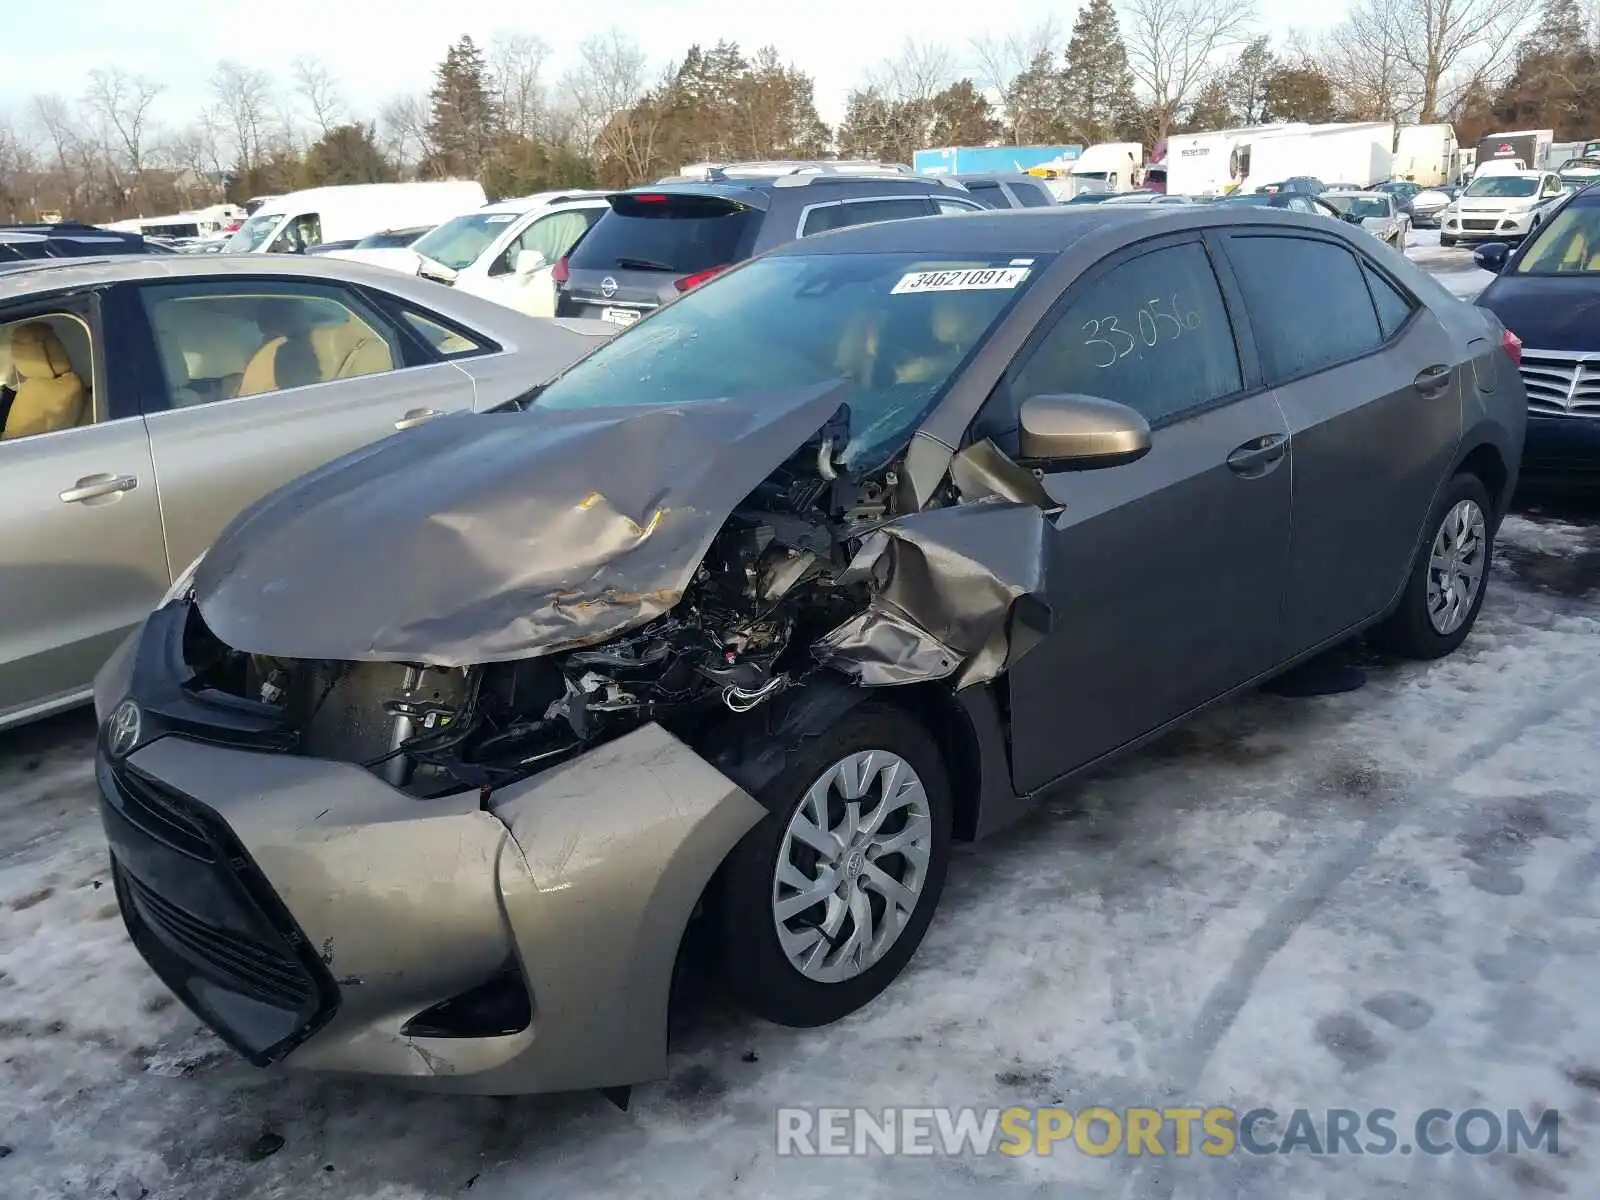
[1409, 631]
[744, 940]
[1446, 240]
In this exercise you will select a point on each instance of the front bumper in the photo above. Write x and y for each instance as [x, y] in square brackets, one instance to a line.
[1486, 226]
[1561, 451]
[313, 915]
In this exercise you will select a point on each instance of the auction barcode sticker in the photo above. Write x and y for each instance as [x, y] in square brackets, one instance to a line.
[970, 279]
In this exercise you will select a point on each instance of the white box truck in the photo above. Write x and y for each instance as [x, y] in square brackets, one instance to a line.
[291, 223]
[1425, 154]
[1210, 164]
[1107, 167]
[1358, 154]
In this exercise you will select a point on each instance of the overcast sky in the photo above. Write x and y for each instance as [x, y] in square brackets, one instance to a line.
[379, 49]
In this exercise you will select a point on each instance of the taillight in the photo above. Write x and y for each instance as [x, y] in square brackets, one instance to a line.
[1513, 345]
[699, 277]
[559, 273]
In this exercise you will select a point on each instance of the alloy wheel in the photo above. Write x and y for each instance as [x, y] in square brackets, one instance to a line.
[1456, 565]
[852, 865]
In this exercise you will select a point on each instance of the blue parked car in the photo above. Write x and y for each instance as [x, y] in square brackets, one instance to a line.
[1547, 292]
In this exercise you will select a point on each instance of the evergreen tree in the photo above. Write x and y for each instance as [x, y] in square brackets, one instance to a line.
[1096, 85]
[1034, 104]
[463, 124]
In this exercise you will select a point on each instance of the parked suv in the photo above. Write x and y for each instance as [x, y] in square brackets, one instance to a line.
[69, 239]
[996, 189]
[659, 241]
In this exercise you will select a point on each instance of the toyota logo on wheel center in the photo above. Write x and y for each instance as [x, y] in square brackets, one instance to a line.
[608, 287]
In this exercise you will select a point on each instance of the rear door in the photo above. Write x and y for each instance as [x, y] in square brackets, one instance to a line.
[651, 246]
[1371, 384]
[81, 553]
[257, 381]
[1173, 566]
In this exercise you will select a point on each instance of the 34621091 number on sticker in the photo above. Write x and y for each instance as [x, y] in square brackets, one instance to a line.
[967, 279]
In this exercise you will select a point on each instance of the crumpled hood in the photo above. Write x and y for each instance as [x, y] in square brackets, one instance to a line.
[489, 537]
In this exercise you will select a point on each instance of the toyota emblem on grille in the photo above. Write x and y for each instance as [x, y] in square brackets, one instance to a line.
[122, 729]
[608, 287]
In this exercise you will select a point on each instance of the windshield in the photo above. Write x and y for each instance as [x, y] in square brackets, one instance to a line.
[1568, 245]
[1502, 186]
[893, 328]
[252, 235]
[1359, 207]
[460, 241]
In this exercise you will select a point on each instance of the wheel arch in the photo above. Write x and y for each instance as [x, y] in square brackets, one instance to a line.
[1487, 461]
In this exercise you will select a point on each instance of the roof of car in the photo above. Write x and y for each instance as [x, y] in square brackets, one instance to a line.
[1021, 230]
[51, 274]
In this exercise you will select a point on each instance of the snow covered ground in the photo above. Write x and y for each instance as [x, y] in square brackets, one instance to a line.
[1383, 899]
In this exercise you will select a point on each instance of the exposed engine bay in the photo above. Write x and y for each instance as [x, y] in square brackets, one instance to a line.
[461, 607]
[777, 579]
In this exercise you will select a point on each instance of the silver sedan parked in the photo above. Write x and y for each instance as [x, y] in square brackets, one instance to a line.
[1376, 212]
[144, 401]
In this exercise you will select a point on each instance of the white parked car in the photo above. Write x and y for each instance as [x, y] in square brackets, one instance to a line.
[1501, 207]
[506, 251]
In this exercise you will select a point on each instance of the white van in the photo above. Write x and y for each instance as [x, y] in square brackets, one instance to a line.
[1107, 167]
[506, 251]
[288, 224]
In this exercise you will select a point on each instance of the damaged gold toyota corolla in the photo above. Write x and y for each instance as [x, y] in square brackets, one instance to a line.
[443, 754]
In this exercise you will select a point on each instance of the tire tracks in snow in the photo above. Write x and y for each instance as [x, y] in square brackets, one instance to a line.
[1152, 1180]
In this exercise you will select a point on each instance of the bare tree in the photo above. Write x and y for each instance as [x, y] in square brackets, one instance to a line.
[516, 67]
[919, 72]
[1363, 59]
[999, 60]
[244, 97]
[1172, 47]
[18, 173]
[120, 103]
[1442, 40]
[318, 90]
[54, 117]
[608, 79]
[403, 129]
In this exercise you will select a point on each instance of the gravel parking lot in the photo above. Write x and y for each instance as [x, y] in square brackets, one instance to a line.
[1382, 899]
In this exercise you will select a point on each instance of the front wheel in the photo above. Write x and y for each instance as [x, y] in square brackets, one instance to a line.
[1446, 586]
[1446, 240]
[822, 904]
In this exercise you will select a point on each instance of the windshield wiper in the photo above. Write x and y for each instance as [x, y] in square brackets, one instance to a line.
[644, 264]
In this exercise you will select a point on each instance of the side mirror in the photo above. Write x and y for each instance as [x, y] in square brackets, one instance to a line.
[1491, 256]
[1080, 433]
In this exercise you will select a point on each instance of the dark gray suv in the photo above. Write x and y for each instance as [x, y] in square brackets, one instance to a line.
[664, 239]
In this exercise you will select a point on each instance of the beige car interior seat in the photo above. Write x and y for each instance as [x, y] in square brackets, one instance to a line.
[318, 355]
[49, 394]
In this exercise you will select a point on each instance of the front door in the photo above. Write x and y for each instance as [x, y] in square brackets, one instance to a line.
[520, 276]
[260, 381]
[82, 559]
[1167, 574]
[1371, 387]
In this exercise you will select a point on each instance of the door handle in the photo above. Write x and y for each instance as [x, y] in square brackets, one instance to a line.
[416, 417]
[1432, 379]
[92, 487]
[1259, 455]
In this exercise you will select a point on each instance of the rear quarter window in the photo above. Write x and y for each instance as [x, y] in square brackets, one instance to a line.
[987, 193]
[682, 234]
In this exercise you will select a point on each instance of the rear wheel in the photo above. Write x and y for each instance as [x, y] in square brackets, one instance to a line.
[822, 904]
[1445, 591]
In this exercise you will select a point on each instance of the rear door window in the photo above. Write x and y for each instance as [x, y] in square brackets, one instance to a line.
[658, 232]
[863, 212]
[1302, 330]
